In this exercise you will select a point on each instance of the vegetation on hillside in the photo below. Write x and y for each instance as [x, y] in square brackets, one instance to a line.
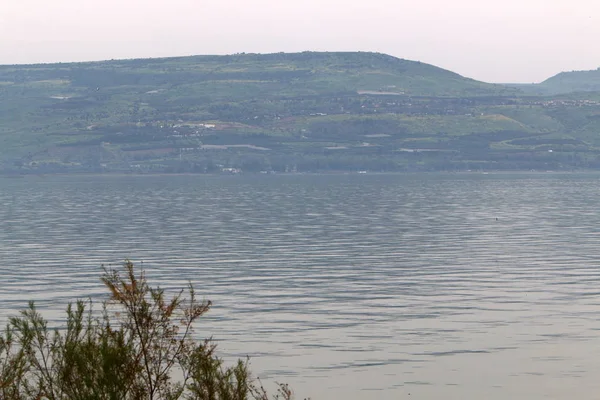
[139, 345]
[574, 81]
[284, 112]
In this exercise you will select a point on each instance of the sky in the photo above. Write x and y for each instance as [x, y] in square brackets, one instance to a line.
[507, 41]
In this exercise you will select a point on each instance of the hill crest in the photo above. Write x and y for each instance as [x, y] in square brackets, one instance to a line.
[573, 81]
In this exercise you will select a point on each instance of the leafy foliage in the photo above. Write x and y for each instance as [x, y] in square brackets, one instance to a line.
[139, 346]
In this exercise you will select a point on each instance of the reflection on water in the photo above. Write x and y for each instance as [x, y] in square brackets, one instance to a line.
[350, 286]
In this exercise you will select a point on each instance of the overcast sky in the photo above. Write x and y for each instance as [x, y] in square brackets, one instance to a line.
[490, 40]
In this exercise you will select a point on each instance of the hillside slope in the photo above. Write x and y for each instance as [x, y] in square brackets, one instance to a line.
[575, 81]
[275, 74]
[282, 112]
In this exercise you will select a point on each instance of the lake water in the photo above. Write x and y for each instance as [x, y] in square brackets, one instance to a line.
[348, 287]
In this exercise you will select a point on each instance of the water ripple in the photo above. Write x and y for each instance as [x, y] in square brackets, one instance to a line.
[462, 286]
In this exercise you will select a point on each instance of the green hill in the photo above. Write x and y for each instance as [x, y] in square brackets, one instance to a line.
[273, 74]
[575, 81]
[282, 112]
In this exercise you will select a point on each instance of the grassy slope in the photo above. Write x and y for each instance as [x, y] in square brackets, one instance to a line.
[575, 81]
[321, 110]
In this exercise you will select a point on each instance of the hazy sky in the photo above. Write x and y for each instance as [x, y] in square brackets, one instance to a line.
[490, 40]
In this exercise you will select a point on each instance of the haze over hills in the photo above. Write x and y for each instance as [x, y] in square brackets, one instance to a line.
[288, 112]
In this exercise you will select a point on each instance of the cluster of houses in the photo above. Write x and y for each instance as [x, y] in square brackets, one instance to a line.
[567, 103]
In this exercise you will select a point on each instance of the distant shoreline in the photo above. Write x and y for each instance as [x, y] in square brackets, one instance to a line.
[253, 174]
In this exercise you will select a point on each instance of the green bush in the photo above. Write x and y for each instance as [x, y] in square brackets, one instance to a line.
[139, 346]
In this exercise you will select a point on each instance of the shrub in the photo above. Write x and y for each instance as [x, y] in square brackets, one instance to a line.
[139, 346]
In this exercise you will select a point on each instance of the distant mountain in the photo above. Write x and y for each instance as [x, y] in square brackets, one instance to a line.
[281, 112]
[310, 72]
[575, 81]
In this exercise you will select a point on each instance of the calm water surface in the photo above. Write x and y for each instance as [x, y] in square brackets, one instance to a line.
[347, 287]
